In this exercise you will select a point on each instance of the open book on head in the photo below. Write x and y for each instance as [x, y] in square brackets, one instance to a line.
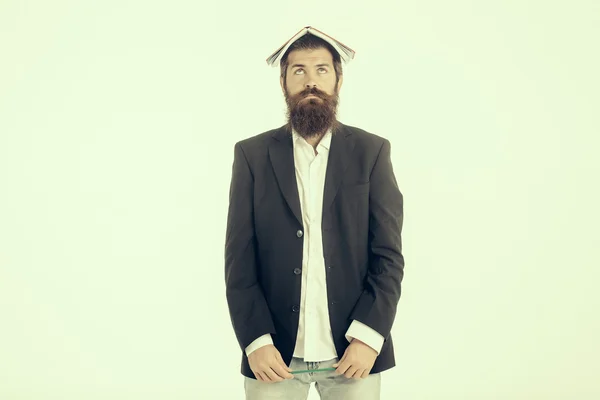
[345, 52]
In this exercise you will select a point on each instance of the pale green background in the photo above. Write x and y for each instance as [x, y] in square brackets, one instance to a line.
[117, 125]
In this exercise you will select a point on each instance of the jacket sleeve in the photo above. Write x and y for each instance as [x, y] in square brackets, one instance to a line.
[248, 310]
[376, 307]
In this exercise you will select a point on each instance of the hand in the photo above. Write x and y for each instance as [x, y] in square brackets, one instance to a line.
[268, 366]
[357, 361]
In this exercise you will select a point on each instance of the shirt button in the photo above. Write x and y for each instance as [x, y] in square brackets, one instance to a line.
[299, 233]
[297, 271]
[296, 308]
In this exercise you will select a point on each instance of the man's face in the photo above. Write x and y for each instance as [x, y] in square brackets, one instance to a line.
[311, 91]
[312, 68]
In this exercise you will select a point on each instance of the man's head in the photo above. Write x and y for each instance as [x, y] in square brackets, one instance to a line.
[311, 78]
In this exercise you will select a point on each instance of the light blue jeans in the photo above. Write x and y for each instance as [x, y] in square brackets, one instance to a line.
[330, 385]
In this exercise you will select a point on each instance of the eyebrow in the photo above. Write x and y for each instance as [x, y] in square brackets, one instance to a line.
[303, 66]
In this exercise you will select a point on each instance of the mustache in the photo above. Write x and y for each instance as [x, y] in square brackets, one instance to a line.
[313, 91]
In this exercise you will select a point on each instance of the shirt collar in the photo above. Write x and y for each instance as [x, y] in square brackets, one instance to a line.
[325, 140]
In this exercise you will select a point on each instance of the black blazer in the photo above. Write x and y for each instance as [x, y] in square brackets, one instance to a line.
[361, 226]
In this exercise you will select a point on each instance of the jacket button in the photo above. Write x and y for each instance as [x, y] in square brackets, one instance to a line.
[297, 271]
[296, 308]
[299, 233]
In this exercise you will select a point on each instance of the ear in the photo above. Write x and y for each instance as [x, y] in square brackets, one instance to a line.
[339, 84]
[281, 84]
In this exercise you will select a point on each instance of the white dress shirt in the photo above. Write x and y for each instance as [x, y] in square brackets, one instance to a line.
[314, 341]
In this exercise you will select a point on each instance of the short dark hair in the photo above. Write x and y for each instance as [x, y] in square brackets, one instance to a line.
[311, 42]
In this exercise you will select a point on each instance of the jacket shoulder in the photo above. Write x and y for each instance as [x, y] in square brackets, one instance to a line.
[365, 138]
[258, 140]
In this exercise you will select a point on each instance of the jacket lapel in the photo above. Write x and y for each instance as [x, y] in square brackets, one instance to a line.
[342, 145]
[281, 154]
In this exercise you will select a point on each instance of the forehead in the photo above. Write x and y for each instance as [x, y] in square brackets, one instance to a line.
[310, 56]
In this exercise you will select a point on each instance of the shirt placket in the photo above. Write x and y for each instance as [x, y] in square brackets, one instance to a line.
[311, 300]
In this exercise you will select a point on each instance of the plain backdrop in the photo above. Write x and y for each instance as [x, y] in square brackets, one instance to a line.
[117, 126]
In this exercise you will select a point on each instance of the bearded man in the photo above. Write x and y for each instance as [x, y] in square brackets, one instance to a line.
[313, 253]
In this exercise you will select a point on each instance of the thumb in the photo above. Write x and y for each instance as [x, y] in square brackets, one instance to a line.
[283, 364]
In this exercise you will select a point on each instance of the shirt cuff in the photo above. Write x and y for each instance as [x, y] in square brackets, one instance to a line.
[261, 341]
[365, 334]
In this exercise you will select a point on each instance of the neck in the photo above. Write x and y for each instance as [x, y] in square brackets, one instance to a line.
[314, 141]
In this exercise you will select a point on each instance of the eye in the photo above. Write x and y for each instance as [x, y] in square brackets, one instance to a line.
[322, 70]
[298, 71]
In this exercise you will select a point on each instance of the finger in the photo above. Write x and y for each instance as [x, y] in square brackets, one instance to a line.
[283, 364]
[259, 376]
[343, 367]
[350, 372]
[366, 373]
[358, 374]
[282, 372]
[340, 361]
[266, 377]
[273, 375]
[340, 364]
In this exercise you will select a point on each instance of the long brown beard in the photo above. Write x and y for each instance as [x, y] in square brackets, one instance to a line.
[312, 117]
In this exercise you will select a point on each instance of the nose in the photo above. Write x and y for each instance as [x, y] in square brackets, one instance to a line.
[310, 81]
